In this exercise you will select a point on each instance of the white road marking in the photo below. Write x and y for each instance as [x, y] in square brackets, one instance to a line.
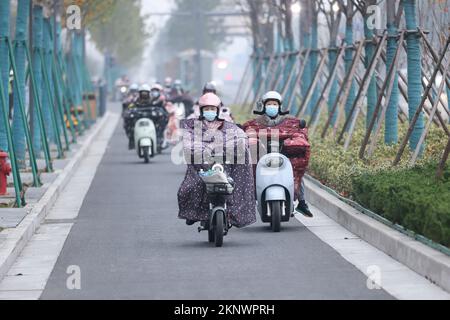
[396, 279]
[27, 278]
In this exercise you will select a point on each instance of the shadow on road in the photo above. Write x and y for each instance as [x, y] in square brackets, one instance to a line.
[287, 228]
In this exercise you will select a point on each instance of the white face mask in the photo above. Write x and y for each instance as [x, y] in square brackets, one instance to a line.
[210, 115]
[272, 110]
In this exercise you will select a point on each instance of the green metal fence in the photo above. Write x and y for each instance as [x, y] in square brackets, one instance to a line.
[59, 108]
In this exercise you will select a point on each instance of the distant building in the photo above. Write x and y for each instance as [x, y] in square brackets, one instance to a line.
[184, 67]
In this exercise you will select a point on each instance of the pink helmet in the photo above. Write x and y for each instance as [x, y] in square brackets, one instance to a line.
[209, 100]
[157, 86]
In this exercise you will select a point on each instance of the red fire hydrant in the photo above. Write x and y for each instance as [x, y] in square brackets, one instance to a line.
[5, 170]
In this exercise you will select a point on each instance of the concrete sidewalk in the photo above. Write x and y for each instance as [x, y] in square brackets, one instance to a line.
[19, 225]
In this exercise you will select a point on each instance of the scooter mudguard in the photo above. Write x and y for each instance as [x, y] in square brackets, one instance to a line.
[275, 193]
[218, 210]
[145, 142]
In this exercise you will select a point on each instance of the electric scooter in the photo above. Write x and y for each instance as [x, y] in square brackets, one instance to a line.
[218, 187]
[275, 187]
[145, 139]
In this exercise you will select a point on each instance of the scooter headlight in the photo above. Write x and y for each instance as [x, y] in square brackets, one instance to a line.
[274, 162]
[123, 89]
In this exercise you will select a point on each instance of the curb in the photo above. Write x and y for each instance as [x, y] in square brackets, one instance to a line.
[17, 238]
[429, 263]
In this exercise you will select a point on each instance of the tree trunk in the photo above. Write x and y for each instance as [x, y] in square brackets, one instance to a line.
[314, 58]
[23, 15]
[372, 94]
[5, 66]
[414, 71]
[288, 46]
[391, 128]
[332, 56]
[305, 34]
[257, 45]
[47, 107]
[349, 56]
[38, 25]
[58, 54]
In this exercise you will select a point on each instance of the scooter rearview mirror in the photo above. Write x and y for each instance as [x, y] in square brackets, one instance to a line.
[303, 124]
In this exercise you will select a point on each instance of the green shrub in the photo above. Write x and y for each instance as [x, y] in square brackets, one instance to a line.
[409, 197]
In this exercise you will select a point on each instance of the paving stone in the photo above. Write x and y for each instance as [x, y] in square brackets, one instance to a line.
[60, 164]
[48, 177]
[10, 218]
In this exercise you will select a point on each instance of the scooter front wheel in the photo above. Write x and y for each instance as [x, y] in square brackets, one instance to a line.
[146, 151]
[275, 208]
[219, 229]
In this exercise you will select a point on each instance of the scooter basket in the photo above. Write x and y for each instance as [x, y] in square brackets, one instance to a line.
[219, 188]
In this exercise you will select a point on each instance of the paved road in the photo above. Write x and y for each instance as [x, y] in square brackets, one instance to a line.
[129, 244]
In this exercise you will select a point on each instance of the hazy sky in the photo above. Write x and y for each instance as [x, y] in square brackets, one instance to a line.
[148, 7]
[236, 53]
[157, 6]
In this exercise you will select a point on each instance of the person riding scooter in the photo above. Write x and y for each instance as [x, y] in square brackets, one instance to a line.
[130, 114]
[209, 87]
[158, 104]
[132, 96]
[150, 99]
[294, 140]
[167, 89]
[206, 140]
[177, 89]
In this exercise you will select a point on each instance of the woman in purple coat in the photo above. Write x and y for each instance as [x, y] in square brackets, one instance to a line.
[207, 141]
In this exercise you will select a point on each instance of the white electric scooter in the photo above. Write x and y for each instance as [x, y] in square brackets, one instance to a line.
[145, 139]
[275, 188]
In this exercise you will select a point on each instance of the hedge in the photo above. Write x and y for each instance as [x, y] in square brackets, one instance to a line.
[411, 198]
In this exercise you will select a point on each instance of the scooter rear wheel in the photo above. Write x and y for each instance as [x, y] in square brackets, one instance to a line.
[218, 229]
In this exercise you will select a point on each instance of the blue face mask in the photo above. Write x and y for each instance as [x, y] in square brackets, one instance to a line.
[210, 115]
[272, 111]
